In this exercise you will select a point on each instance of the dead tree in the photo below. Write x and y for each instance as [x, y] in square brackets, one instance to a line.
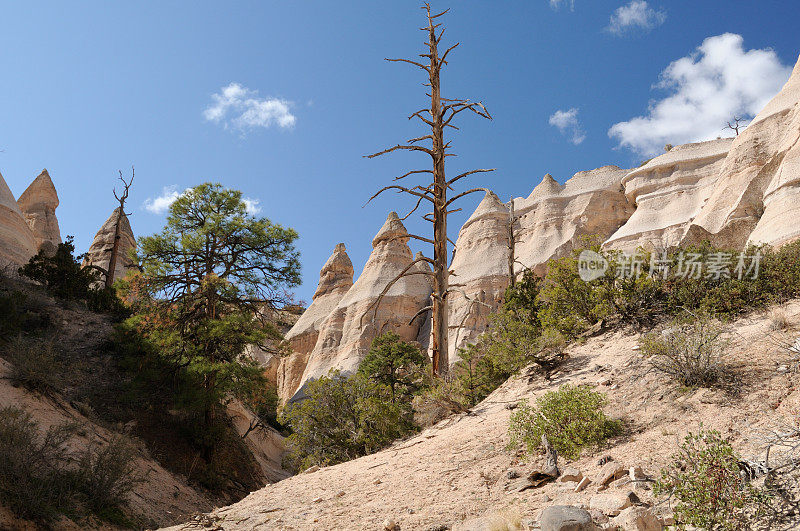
[435, 191]
[735, 125]
[112, 260]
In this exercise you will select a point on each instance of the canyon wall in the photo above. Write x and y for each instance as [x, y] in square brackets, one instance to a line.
[729, 191]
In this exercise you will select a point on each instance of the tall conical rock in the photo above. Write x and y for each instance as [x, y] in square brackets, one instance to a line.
[480, 268]
[757, 196]
[99, 253]
[38, 205]
[345, 336]
[669, 192]
[552, 220]
[17, 241]
[335, 279]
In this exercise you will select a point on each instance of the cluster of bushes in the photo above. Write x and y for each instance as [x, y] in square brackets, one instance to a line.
[656, 284]
[40, 478]
[348, 416]
[64, 278]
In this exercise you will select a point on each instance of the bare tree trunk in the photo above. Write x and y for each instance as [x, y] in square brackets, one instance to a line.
[441, 112]
[511, 244]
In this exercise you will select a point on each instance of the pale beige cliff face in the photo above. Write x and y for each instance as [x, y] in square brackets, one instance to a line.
[335, 279]
[553, 219]
[481, 274]
[756, 196]
[344, 338]
[17, 241]
[668, 193]
[99, 252]
[38, 205]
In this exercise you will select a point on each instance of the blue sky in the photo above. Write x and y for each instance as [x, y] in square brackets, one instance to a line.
[89, 88]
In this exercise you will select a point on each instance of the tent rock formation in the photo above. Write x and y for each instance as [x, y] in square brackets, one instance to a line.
[99, 253]
[38, 204]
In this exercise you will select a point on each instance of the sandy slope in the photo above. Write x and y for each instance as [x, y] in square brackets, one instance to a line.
[456, 470]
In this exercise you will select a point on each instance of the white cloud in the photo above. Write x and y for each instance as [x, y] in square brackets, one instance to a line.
[160, 204]
[239, 107]
[567, 122]
[636, 14]
[555, 4]
[707, 88]
[251, 205]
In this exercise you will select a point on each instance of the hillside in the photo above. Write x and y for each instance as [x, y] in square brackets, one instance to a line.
[455, 475]
[63, 367]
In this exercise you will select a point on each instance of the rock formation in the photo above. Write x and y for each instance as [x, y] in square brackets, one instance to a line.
[99, 253]
[755, 199]
[17, 241]
[38, 205]
[669, 192]
[346, 334]
[335, 279]
[481, 272]
[553, 219]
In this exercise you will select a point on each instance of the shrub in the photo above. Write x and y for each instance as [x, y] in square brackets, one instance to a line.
[396, 364]
[572, 418]
[35, 364]
[60, 273]
[343, 418]
[690, 352]
[20, 313]
[33, 482]
[442, 398]
[705, 480]
[108, 473]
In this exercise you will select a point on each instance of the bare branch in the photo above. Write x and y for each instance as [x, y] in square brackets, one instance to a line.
[400, 146]
[420, 312]
[412, 173]
[410, 62]
[462, 194]
[400, 189]
[467, 173]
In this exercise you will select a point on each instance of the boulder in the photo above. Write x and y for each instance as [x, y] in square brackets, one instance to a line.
[17, 241]
[611, 471]
[99, 253]
[346, 334]
[38, 205]
[638, 519]
[612, 503]
[566, 518]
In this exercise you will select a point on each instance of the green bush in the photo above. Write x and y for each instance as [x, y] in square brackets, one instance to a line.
[108, 473]
[343, 418]
[705, 481]
[33, 482]
[35, 364]
[688, 351]
[20, 313]
[398, 365]
[572, 418]
[61, 273]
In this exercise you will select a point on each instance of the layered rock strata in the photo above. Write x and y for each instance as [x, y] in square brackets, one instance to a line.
[552, 220]
[38, 205]
[669, 192]
[345, 336]
[335, 279]
[17, 241]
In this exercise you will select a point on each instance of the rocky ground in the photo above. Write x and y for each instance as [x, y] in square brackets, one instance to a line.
[459, 474]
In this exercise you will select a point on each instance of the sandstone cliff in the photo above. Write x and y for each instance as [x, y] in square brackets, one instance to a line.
[344, 337]
[554, 217]
[335, 279]
[38, 204]
[99, 252]
[669, 192]
[756, 195]
[17, 241]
